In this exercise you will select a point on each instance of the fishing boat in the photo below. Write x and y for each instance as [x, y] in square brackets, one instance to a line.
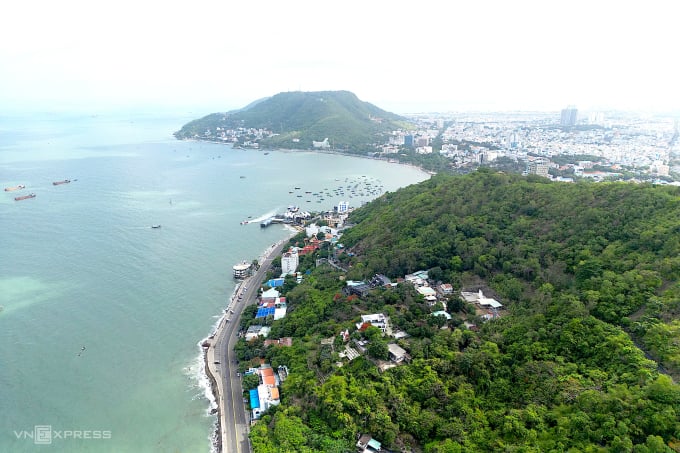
[24, 197]
[12, 189]
[157, 225]
[65, 181]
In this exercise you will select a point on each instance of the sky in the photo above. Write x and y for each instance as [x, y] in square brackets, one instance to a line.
[403, 56]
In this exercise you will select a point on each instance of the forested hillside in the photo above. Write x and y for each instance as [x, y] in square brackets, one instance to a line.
[298, 118]
[585, 271]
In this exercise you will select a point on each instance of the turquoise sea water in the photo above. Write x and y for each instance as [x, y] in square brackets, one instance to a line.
[81, 267]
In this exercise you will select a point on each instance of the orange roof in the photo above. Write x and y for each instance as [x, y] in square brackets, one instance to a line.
[275, 393]
[268, 380]
[267, 372]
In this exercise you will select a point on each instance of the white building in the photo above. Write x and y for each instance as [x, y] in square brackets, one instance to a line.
[376, 320]
[255, 331]
[480, 299]
[289, 262]
[241, 270]
[322, 145]
[343, 206]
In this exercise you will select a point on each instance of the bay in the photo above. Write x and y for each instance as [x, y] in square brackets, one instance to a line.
[101, 315]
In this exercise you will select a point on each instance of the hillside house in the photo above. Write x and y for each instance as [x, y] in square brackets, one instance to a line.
[255, 331]
[376, 320]
[397, 353]
[367, 444]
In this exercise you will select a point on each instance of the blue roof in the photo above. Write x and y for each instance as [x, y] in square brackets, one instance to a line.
[275, 282]
[264, 312]
[254, 399]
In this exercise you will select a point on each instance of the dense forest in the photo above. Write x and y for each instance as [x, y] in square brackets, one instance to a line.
[583, 358]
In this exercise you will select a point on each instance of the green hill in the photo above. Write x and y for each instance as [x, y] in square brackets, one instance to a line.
[587, 272]
[294, 119]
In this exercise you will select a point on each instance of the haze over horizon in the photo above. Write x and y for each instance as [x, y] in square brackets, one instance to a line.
[217, 56]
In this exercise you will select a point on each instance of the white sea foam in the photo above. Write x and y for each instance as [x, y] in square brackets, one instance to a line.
[264, 216]
[196, 372]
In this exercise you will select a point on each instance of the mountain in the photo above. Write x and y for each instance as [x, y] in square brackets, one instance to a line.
[295, 119]
[588, 274]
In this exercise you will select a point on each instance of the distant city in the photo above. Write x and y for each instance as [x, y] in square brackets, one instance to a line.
[566, 145]
[597, 145]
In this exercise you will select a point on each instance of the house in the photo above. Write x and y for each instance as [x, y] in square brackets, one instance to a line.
[367, 444]
[255, 331]
[275, 282]
[397, 353]
[481, 300]
[361, 289]
[266, 394]
[429, 294]
[417, 278]
[376, 320]
[379, 280]
[446, 289]
[270, 294]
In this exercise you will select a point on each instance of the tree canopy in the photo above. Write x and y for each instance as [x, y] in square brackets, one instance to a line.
[588, 274]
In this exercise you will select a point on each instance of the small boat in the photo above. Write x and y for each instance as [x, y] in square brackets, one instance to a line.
[157, 225]
[266, 154]
[12, 189]
[24, 197]
[242, 177]
[65, 181]
[245, 222]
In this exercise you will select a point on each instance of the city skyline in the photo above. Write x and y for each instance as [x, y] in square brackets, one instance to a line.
[486, 56]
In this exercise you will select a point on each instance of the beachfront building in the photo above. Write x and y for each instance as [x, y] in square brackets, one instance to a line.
[241, 270]
[342, 207]
[289, 262]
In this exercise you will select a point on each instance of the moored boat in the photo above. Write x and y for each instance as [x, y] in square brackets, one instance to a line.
[12, 189]
[24, 197]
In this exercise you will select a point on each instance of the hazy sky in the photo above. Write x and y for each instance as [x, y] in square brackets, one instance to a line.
[404, 56]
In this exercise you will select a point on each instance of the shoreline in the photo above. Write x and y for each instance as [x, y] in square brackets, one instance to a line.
[208, 347]
[293, 150]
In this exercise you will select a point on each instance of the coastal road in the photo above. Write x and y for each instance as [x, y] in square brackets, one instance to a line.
[234, 421]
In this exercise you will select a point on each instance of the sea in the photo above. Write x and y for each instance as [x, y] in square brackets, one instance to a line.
[101, 316]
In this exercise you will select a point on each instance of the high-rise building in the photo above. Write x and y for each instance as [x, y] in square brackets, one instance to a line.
[289, 262]
[569, 116]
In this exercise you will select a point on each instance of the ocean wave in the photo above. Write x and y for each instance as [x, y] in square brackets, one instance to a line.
[196, 373]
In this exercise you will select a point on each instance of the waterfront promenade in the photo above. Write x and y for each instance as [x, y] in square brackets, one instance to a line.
[221, 366]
